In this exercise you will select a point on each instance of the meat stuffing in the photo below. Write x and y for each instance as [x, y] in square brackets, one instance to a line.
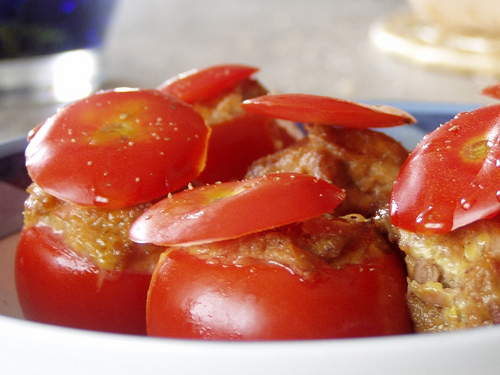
[363, 162]
[453, 278]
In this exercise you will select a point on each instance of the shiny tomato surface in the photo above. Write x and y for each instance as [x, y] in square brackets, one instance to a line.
[316, 109]
[452, 177]
[191, 297]
[236, 143]
[117, 148]
[204, 84]
[57, 286]
[232, 209]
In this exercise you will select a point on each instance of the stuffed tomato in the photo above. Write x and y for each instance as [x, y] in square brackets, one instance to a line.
[95, 165]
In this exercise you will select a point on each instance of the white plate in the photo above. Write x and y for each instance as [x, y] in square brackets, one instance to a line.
[33, 348]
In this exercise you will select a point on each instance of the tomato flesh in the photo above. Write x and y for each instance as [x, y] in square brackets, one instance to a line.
[117, 148]
[317, 109]
[232, 209]
[204, 84]
[452, 177]
[190, 297]
[57, 286]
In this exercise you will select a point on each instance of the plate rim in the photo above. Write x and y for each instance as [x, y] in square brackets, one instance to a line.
[437, 351]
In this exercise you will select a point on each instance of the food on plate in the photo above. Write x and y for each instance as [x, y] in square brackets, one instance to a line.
[102, 166]
[453, 278]
[443, 214]
[362, 162]
[452, 176]
[117, 148]
[237, 137]
[214, 212]
[201, 85]
[307, 108]
[325, 277]
[75, 267]
[96, 165]
[259, 252]
[492, 91]
[200, 209]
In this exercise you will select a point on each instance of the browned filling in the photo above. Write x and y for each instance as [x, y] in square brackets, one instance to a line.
[303, 247]
[363, 162]
[453, 278]
[98, 233]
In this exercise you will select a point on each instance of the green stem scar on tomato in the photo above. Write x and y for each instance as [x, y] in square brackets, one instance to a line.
[452, 177]
[232, 209]
[317, 109]
[117, 148]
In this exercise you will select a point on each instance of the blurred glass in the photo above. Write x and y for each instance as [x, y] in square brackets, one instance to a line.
[50, 49]
[460, 35]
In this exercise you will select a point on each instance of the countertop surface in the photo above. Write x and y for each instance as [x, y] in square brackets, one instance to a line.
[319, 46]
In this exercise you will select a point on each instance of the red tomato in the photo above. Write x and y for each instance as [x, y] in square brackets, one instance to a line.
[492, 91]
[205, 84]
[190, 297]
[452, 177]
[236, 143]
[57, 286]
[117, 148]
[307, 108]
[231, 209]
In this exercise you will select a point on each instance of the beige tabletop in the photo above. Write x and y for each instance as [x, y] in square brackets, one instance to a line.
[318, 46]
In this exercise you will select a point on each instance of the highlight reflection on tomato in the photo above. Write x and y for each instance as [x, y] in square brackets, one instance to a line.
[228, 210]
[316, 109]
[451, 178]
[192, 297]
[117, 148]
[57, 286]
[237, 137]
[204, 84]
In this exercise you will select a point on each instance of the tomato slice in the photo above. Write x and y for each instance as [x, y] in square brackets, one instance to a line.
[204, 84]
[57, 286]
[190, 297]
[117, 148]
[492, 91]
[231, 209]
[316, 109]
[452, 177]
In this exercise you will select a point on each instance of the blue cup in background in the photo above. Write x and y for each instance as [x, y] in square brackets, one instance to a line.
[50, 49]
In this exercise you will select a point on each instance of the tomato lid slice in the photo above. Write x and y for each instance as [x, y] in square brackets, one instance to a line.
[117, 148]
[202, 84]
[492, 91]
[232, 209]
[318, 109]
[452, 177]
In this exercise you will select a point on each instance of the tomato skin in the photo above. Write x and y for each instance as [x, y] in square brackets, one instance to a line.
[192, 298]
[492, 91]
[57, 286]
[204, 84]
[451, 178]
[318, 109]
[235, 144]
[232, 209]
[117, 148]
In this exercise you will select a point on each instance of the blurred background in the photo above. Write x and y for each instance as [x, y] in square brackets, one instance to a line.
[340, 48]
